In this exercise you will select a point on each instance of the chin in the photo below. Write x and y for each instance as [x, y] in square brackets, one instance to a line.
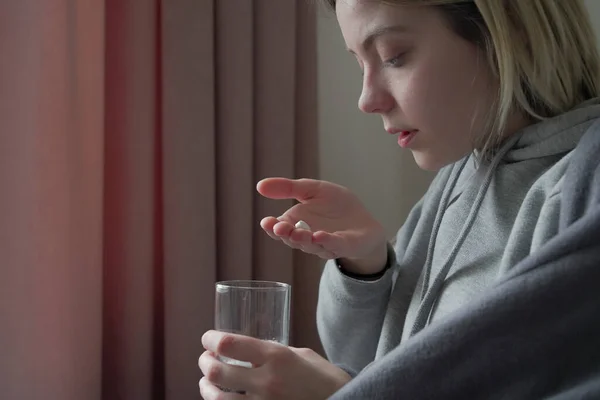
[429, 162]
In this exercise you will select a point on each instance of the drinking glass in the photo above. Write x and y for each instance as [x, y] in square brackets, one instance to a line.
[260, 309]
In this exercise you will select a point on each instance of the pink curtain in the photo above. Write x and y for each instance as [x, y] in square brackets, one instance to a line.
[132, 134]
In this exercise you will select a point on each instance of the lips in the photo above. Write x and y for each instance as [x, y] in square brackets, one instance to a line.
[406, 137]
[393, 131]
[406, 133]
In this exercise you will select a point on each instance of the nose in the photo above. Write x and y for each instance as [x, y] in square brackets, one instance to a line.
[375, 97]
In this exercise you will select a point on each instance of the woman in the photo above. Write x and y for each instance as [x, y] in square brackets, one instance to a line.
[484, 293]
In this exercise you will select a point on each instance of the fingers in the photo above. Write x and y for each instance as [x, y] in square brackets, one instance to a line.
[238, 347]
[283, 229]
[311, 248]
[320, 243]
[283, 188]
[304, 352]
[330, 241]
[282, 232]
[225, 375]
[301, 236]
[298, 238]
[267, 224]
[208, 391]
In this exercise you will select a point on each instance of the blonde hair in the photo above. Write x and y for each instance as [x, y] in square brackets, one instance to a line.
[543, 53]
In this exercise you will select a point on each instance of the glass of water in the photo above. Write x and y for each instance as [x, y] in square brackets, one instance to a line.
[260, 309]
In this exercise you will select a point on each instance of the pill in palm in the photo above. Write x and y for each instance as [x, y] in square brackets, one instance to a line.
[302, 225]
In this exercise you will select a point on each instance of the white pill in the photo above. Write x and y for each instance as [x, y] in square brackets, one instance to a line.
[302, 225]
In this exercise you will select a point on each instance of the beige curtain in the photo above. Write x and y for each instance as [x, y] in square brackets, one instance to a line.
[132, 134]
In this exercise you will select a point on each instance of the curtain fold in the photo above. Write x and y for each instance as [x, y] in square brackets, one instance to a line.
[133, 134]
[132, 363]
[51, 158]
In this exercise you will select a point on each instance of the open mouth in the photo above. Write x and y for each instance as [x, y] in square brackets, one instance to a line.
[406, 137]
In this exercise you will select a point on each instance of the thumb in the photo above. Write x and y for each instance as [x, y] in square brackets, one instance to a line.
[284, 188]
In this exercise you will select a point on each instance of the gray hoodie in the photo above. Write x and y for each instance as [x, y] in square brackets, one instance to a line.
[464, 237]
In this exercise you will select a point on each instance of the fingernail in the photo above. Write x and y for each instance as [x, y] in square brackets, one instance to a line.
[207, 339]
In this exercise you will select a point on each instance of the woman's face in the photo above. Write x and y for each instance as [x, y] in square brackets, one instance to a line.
[420, 76]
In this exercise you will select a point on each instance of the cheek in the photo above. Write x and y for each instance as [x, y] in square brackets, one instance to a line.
[426, 98]
[443, 94]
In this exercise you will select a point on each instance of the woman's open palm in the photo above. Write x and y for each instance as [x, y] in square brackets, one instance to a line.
[341, 227]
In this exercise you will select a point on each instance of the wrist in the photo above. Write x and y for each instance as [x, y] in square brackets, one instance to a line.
[372, 264]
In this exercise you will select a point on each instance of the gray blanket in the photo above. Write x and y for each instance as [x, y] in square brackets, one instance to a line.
[535, 334]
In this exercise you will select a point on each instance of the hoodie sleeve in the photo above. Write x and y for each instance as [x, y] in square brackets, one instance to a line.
[350, 312]
[349, 316]
[535, 334]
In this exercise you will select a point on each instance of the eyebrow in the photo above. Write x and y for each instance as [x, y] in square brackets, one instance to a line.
[377, 32]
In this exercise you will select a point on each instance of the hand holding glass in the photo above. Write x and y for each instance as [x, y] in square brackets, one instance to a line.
[260, 309]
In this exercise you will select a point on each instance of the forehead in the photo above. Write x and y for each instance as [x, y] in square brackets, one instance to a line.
[358, 18]
[364, 12]
[379, 8]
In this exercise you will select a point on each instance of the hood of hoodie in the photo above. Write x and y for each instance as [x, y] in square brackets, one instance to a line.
[555, 135]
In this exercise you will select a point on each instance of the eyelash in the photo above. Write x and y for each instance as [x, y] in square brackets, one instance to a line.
[394, 62]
